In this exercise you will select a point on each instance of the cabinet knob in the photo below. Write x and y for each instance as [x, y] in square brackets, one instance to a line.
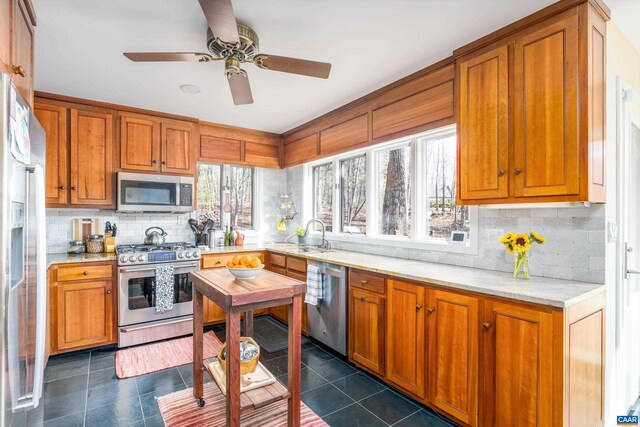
[86, 273]
[19, 69]
[486, 325]
[164, 163]
[430, 310]
[218, 262]
[418, 307]
[154, 161]
[73, 188]
[501, 172]
[61, 187]
[363, 298]
[517, 171]
[364, 282]
[109, 292]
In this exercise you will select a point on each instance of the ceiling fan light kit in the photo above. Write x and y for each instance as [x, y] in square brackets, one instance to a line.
[236, 44]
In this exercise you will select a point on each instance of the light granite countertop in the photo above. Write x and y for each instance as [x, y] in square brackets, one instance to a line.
[539, 290]
[74, 258]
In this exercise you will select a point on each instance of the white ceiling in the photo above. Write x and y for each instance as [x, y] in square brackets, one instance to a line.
[371, 43]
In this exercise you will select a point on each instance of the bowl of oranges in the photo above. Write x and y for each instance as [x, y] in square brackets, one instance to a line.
[245, 266]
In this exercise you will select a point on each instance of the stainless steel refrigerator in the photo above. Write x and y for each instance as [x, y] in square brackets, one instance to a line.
[22, 257]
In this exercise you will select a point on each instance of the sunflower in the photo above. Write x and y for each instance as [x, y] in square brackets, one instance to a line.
[521, 242]
[538, 238]
[507, 237]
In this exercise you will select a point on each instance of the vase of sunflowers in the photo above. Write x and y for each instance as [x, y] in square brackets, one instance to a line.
[519, 244]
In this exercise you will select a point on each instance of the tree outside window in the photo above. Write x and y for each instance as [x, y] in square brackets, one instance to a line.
[241, 197]
[353, 177]
[323, 195]
[394, 198]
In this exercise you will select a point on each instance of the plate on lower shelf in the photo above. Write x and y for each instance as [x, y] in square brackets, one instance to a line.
[259, 378]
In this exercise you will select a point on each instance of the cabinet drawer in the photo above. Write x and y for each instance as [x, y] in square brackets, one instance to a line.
[297, 264]
[221, 260]
[365, 280]
[278, 260]
[279, 270]
[79, 272]
[298, 276]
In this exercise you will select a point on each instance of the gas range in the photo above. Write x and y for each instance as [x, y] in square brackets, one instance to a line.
[152, 254]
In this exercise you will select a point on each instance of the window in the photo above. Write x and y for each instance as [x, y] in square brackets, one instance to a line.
[225, 194]
[353, 178]
[242, 197]
[442, 214]
[323, 195]
[393, 168]
[208, 192]
[398, 193]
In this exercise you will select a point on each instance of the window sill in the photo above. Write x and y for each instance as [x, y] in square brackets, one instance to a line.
[401, 242]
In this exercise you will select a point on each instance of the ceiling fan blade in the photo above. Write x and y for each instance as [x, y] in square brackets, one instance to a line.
[221, 19]
[167, 56]
[293, 65]
[240, 88]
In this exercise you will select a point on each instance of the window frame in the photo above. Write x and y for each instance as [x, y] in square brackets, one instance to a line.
[417, 176]
[225, 172]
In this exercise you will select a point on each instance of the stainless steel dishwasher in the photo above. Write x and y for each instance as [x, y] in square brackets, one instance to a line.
[327, 321]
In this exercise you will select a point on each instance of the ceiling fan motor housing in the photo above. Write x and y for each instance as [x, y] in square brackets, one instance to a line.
[245, 51]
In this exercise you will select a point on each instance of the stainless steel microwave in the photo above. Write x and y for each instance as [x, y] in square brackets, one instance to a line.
[141, 192]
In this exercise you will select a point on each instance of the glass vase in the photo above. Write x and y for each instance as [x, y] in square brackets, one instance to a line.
[521, 267]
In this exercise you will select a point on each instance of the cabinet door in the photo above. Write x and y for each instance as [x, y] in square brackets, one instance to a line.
[453, 354]
[483, 119]
[91, 158]
[53, 119]
[177, 148]
[84, 314]
[517, 366]
[212, 312]
[139, 143]
[5, 36]
[303, 278]
[546, 109]
[366, 329]
[22, 49]
[405, 352]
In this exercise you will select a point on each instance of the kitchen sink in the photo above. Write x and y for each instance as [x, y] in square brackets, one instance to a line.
[308, 250]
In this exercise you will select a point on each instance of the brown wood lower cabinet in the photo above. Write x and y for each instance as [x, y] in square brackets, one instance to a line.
[405, 340]
[517, 365]
[482, 361]
[83, 312]
[366, 329]
[453, 354]
[293, 267]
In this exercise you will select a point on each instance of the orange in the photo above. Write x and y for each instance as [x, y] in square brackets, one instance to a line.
[255, 263]
[230, 264]
[245, 260]
[236, 260]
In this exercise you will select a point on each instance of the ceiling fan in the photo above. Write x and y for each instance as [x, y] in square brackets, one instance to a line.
[235, 44]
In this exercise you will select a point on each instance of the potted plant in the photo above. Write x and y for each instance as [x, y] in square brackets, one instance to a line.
[301, 233]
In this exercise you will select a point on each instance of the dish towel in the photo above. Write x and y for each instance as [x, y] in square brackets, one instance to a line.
[315, 285]
[164, 288]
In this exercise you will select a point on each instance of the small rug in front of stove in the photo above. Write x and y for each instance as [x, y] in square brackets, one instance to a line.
[180, 409]
[144, 359]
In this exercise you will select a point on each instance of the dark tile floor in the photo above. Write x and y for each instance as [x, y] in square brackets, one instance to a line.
[81, 389]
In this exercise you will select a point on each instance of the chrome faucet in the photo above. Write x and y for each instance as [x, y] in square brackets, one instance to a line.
[325, 243]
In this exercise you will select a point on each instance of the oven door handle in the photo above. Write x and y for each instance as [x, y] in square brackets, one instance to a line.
[171, 322]
[135, 270]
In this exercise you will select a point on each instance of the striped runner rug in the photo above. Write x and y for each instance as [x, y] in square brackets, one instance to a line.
[148, 358]
[180, 409]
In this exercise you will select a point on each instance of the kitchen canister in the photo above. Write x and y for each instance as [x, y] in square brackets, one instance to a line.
[76, 247]
[95, 244]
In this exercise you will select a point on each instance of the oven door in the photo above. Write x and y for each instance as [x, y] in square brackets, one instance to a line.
[137, 294]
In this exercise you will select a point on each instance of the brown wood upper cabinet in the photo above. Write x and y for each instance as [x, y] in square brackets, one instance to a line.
[151, 144]
[91, 162]
[405, 343]
[17, 19]
[54, 121]
[531, 113]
